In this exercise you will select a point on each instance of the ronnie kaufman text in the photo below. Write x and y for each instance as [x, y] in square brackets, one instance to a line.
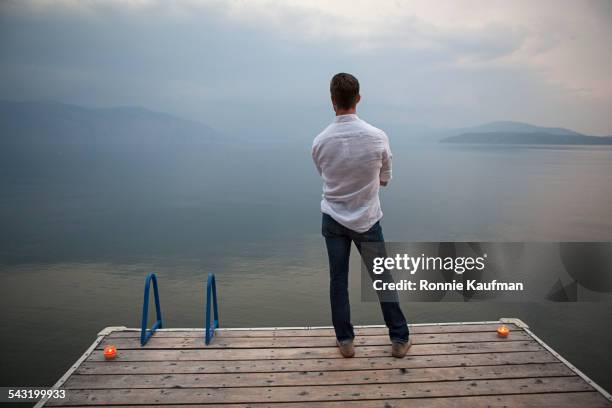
[426, 285]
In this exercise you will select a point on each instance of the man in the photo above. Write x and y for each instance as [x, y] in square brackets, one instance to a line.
[354, 160]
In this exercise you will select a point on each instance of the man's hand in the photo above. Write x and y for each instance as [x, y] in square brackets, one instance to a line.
[384, 183]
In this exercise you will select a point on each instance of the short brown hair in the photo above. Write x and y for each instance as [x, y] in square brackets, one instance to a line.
[344, 89]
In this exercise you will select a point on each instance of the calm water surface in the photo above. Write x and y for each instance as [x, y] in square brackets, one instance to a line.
[79, 233]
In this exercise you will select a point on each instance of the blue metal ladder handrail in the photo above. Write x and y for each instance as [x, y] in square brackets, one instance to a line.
[211, 289]
[145, 334]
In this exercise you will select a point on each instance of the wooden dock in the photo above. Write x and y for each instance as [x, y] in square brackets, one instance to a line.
[449, 365]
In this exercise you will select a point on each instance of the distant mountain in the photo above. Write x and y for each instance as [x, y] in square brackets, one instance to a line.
[506, 132]
[528, 138]
[422, 133]
[515, 127]
[43, 123]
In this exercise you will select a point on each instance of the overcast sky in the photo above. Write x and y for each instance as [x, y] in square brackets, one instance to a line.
[241, 65]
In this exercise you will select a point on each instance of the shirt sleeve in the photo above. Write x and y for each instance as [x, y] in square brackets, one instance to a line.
[385, 171]
[314, 153]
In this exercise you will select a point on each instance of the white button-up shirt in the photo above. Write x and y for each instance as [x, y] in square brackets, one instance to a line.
[353, 157]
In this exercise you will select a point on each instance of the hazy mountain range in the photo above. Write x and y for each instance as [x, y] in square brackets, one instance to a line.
[523, 133]
[36, 125]
[538, 138]
[59, 123]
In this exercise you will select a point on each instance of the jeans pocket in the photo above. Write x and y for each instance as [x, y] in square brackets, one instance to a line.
[329, 227]
[374, 234]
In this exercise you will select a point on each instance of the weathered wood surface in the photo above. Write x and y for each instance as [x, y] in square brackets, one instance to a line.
[328, 364]
[551, 400]
[447, 366]
[326, 392]
[289, 342]
[211, 354]
[102, 381]
[326, 332]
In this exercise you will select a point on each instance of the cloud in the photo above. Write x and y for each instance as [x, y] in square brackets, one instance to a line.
[455, 62]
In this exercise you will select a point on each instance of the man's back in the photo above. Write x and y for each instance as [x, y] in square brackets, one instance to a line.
[353, 158]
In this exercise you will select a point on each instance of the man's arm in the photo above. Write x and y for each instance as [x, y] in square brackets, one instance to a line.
[315, 157]
[385, 170]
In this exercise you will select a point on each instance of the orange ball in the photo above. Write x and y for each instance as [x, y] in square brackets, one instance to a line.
[503, 331]
[110, 352]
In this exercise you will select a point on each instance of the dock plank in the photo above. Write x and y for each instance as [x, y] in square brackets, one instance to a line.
[317, 341]
[566, 399]
[314, 352]
[353, 364]
[313, 332]
[326, 332]
[401, 375]
[325, 392]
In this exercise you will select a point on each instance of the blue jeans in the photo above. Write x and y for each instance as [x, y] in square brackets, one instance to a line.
[338, 240]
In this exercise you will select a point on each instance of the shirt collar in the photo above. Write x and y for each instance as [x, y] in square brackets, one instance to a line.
[346, 118]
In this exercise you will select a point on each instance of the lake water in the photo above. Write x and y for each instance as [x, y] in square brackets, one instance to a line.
[80, 232]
